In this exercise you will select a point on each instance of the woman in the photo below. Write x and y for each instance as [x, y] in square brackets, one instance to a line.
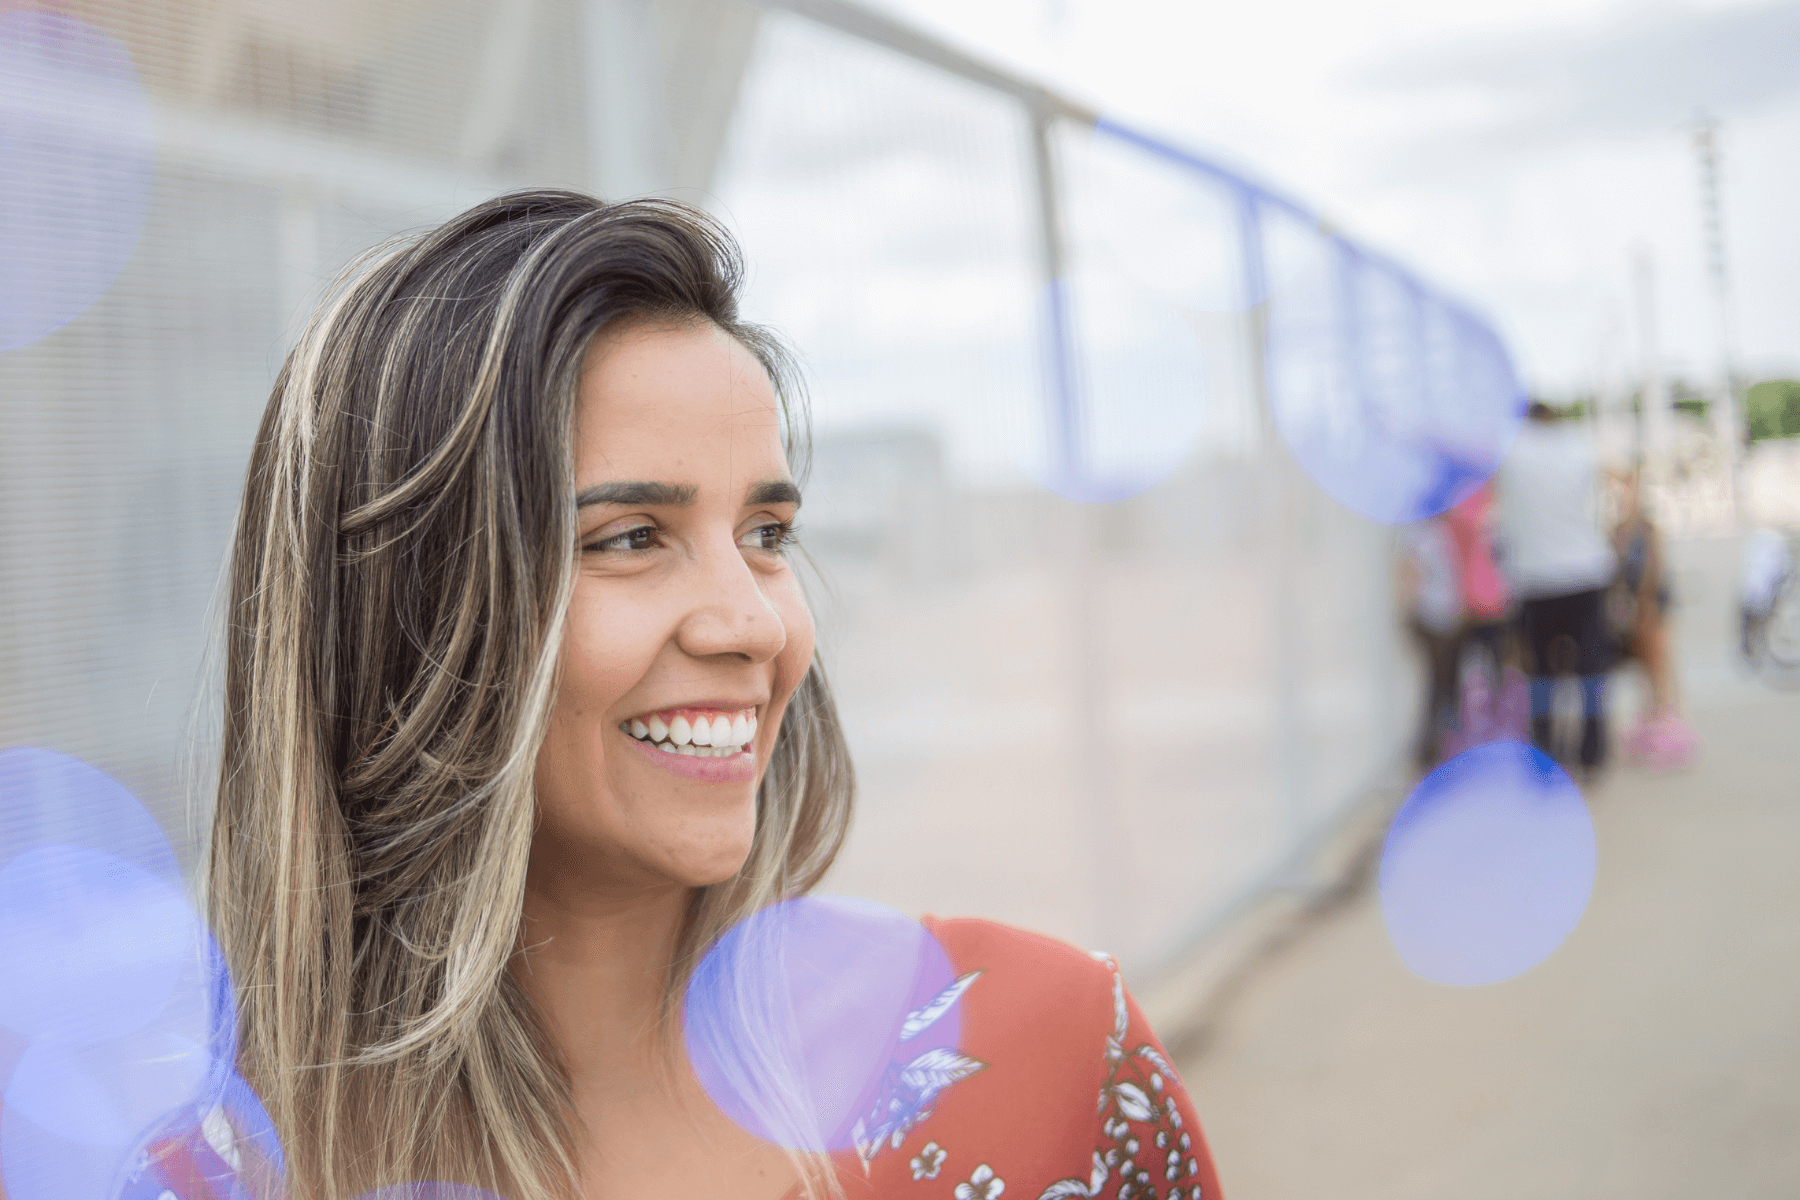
[1640, 600]
[513, 540]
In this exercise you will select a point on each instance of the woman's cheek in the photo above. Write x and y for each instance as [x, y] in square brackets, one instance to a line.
[796, 620]
[611, 644]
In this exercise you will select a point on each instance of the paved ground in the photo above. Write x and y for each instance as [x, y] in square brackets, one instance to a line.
[1656, 1054]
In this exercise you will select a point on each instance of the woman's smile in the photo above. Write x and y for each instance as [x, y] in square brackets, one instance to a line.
[710, 743]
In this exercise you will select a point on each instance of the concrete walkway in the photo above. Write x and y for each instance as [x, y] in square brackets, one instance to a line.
[1656, 1054]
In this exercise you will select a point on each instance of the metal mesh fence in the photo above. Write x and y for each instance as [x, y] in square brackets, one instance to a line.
[1107, 436]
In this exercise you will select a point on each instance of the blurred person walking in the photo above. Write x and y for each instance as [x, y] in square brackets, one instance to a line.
[1639, 603]
[1486, 599]
[1559, 565]
[1767, 603]
[1492, 704]
[1434, 616]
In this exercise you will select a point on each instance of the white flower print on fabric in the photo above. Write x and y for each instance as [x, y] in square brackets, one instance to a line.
[925, 1163]
[1145, 1147]
[908, 1089]
[982, 1185]
[217, 1130]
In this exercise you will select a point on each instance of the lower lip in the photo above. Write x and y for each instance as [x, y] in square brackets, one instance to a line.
[739, 768]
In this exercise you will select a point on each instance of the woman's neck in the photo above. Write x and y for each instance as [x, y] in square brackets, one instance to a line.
[595, 963]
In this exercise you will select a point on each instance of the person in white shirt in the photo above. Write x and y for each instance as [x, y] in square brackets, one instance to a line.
[1559, 565]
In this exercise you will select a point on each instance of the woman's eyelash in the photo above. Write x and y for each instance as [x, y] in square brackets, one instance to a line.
[786, 534]
[625, 536]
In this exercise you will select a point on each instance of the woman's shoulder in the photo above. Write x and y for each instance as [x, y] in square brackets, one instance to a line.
[983, 942]
[1054, 1087]
[1040, 988]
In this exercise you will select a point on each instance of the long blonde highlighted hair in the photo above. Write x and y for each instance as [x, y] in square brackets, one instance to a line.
[401, 569]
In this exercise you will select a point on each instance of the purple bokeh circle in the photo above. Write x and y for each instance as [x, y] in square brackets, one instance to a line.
[800, 1019]
[116, 1016]
[96, 945]
[1396, 402]
[77, 152]
[50, 799]
[1488, 866]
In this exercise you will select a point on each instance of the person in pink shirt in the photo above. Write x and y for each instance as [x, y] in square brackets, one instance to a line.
[1486, 598]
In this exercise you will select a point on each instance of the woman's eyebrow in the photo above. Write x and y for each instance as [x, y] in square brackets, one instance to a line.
[645, 492]
[774, 491]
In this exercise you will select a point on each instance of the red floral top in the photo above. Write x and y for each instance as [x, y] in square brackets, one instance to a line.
[1057, 1088]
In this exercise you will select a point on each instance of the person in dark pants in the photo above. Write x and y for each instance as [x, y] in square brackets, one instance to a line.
[1567, 635]
[1560, 565]
[1434, 618]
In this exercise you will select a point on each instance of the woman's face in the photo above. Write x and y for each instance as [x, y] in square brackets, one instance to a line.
[687, 632]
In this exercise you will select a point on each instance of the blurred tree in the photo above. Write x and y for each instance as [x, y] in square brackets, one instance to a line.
[1693, 406]
[1772, 409]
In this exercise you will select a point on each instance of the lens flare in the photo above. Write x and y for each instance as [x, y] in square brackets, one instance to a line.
[115, 989]
[96, 945]
[49, 799]
[802, 1022]
[1395, 401]
[1488, 866]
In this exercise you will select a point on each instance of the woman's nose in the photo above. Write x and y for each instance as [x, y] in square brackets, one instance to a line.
[730, 614]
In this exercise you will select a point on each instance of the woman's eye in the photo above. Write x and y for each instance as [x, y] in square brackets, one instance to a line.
[777, 536]
[641, 538]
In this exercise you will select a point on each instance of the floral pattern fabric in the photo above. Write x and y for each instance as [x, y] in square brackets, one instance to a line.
[1059, 1089]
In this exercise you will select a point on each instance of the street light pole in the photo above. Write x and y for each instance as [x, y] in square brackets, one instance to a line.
[1726, 425]
[1654, 438]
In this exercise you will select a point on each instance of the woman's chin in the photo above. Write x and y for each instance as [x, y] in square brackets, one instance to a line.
[711, 871]
[705, 863]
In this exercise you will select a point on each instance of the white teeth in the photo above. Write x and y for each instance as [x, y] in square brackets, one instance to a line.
[720, 737]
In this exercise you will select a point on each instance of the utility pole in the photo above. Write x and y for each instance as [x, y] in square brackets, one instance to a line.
[1725, 416]
[1654, 435]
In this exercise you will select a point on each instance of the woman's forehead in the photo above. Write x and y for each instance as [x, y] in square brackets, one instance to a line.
[689, 399]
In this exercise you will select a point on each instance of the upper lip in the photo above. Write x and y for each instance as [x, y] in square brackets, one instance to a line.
[724, 706]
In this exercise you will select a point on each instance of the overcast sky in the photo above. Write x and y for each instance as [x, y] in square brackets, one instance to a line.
[1515, 153]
